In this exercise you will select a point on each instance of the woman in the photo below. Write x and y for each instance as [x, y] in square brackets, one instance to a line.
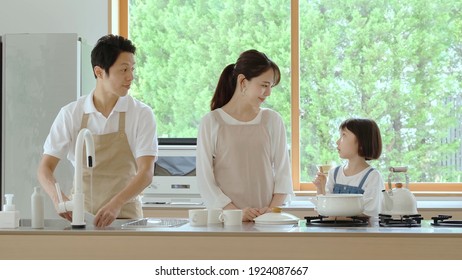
[242, 156]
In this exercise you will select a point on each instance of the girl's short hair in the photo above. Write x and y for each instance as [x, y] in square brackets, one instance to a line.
[367, 133]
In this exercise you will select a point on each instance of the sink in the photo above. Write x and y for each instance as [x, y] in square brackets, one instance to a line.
[65, 224]
[155, 223]
[61, 224]
[49, 223]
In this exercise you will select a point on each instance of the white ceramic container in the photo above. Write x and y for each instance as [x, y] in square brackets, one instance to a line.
[339, 204]
[198, 217]
[231, 217]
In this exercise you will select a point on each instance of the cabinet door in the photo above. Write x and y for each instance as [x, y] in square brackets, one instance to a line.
[165, 213]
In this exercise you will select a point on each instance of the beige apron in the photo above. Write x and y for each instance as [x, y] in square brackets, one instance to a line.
[242, 166]
[113, 167]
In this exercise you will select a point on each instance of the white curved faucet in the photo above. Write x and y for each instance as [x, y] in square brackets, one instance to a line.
[77, 204]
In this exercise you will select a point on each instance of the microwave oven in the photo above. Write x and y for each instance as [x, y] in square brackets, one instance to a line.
[174, 180]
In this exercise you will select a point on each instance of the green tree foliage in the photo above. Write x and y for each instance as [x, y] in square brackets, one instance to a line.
[184, 45]
[398, 62]
[392, 61]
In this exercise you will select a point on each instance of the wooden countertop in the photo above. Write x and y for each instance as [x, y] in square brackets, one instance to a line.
[249, 241]
[63, 227]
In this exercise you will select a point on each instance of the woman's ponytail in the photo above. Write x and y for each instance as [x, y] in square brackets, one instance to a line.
[225, 88]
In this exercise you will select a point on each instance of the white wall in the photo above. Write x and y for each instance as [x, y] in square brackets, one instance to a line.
[88, 18]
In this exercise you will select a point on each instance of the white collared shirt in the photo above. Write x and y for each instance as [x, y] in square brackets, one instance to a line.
[140, 126]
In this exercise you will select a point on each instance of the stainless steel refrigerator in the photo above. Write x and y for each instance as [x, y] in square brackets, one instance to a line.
[40, 74]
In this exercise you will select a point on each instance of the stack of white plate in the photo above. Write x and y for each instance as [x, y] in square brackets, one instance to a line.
[276, 219]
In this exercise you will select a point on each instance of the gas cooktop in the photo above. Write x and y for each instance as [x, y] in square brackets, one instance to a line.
[325, 221]
[401, 221]
[444, 221]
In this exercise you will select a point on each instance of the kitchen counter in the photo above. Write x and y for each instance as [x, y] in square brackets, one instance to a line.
[249, 241]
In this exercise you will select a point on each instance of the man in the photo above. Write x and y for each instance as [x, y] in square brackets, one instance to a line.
[124, 132]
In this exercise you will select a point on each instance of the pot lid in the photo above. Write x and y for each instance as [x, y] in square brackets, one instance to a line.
[276, 218]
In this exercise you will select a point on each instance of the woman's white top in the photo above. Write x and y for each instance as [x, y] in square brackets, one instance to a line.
[211, 192]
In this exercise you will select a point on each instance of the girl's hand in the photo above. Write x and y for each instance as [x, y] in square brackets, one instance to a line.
[320, 182]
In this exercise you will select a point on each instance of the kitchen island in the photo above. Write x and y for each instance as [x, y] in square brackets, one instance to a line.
[249, 241]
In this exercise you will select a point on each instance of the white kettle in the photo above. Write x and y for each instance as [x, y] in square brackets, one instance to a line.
[398, 200]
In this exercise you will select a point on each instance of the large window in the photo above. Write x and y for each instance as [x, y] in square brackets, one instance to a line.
[184, 45]
[398, 62]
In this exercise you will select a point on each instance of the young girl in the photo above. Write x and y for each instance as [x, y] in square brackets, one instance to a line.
[359, 142]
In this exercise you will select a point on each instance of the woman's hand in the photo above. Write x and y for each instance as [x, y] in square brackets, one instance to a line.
[320, 183]
[264, 210]
[248, 214]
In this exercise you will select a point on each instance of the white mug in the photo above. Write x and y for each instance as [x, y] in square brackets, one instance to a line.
[198, 217]
[232, 217]
[214, 216]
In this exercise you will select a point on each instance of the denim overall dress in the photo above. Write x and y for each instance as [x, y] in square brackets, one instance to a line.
[339, 188]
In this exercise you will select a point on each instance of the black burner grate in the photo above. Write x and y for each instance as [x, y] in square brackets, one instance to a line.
[403, 221]
[336, 221]
[444, 221]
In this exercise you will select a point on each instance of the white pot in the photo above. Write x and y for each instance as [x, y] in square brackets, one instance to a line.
[339, 204]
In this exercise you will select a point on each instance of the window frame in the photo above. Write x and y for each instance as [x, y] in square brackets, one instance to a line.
[304, 188]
